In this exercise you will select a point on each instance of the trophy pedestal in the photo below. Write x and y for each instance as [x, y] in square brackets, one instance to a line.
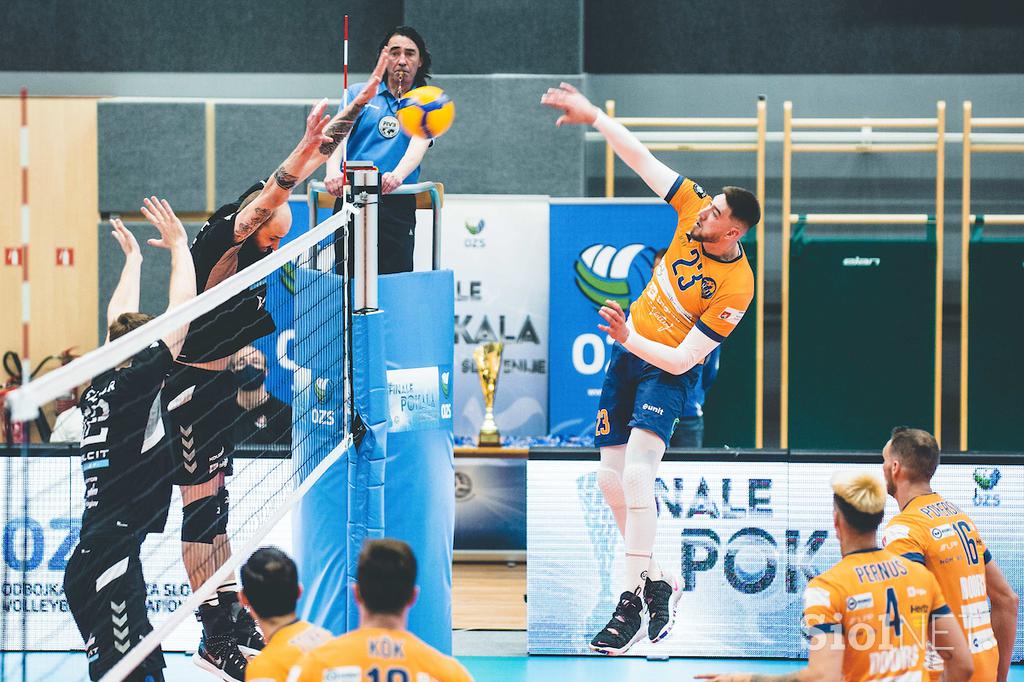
[489, 435]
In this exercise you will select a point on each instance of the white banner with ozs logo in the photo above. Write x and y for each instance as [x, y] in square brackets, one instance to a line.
[743, 537]
[497, 246]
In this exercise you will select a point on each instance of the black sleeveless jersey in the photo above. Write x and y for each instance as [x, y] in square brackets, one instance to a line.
[241, 319]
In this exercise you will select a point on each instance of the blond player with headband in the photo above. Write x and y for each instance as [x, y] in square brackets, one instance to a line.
[696, 297]
[870, 616]
[936, 534]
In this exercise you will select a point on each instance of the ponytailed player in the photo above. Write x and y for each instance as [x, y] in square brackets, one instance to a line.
[937, 534]
[199, 395]
[127, 491]
[696, 297]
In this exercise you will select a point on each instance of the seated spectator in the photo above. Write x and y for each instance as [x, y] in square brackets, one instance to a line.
[265, 420]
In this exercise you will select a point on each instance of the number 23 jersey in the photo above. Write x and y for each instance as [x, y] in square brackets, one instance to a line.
[691, 288]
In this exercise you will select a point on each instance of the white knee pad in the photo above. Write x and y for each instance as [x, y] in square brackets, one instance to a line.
[638, 486]
[611, 485]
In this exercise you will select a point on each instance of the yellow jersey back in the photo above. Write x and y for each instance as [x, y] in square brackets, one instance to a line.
[378, 655]
[937, 534]
[881, 603]
[285, 647]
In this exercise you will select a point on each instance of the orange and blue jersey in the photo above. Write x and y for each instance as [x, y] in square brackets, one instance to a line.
[938, 535]
[881, 604]
[284, 649]
[691, 288]
[378, 655]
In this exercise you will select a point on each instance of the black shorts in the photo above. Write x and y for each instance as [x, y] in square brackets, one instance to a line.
[201, 413]
[106, 592]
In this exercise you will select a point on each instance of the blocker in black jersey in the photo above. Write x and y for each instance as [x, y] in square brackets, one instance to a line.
[106, 593]
[241, 319]
[123, 465]
[127, 493]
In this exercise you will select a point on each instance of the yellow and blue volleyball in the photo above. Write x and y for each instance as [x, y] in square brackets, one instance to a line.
[426, 112]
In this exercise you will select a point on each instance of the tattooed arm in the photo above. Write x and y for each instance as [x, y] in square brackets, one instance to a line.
[323, 135]
[341, 125]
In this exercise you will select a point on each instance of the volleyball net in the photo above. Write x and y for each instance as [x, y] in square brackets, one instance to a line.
[283, 403]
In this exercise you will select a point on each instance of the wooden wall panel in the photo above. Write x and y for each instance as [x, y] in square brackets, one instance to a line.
[63, 200]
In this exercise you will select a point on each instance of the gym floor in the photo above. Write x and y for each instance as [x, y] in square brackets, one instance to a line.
[489, 619]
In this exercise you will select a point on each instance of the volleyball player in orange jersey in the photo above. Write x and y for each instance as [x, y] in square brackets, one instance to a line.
[936, 534]
[381, 649]
[870, 617]
[696, 297]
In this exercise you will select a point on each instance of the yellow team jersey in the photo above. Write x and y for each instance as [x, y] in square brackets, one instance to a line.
[378, 655]
[937, 534]
[283, 650]
[691, 288]
[881, 604]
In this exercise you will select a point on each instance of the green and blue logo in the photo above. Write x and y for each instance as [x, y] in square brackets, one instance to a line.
[475, 227]
[987, 477]
[604, 272]
[322, 389]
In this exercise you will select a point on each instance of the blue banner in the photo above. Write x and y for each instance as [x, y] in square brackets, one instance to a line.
[598, 252]
[419, 500]
[490, 504]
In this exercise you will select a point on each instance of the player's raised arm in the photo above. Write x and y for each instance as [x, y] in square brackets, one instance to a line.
[1005, 603]
[182, 286]
[321, 139]
[125, 298]
[578, 109]
[675, 360]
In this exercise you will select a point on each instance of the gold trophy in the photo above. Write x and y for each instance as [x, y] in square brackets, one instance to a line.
[488, 366]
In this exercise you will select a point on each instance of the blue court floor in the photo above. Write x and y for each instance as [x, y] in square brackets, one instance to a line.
[59, 667]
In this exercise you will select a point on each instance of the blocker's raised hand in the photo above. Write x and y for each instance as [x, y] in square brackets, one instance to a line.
[125, 239]
[575, 107]
[161, 215]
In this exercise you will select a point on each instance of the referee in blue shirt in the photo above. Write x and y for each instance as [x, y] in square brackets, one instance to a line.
[377, 137]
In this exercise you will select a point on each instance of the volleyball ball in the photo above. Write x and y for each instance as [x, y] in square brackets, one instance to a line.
[426, 112]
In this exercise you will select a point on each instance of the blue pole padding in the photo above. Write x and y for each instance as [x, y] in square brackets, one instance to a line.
[317, 428]
[366, 468]
[419, 491]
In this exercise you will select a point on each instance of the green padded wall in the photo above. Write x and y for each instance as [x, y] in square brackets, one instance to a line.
[995, 338]
[729, 416]
[862, 339]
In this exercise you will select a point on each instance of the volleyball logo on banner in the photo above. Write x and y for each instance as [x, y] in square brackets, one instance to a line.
[497, 251]
[611, 259]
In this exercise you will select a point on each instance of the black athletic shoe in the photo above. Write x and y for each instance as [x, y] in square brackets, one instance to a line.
[219, 656]
[661, 598]
[623, 630]
[250, 641]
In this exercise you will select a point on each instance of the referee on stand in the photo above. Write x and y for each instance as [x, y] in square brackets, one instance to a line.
[127, 491]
